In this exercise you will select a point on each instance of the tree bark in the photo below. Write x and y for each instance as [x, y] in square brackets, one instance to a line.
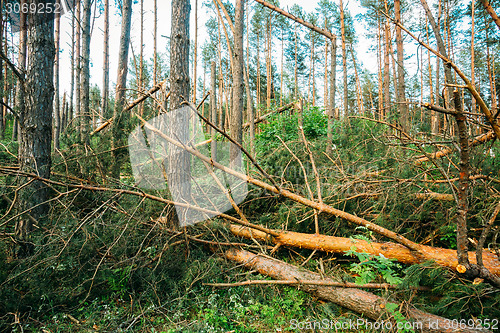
[36, 123]
[120, 117]
[238, 86]
[332, 114]
[57, 110]
[403, 106]
[2, 129]
[250, 107]
[155, 41]
[21, 63]
[344, 58]
[73, 72]
[195, 61]
[105, 67]
[78, 69]
[269, 73]
[213, 110]
[387, 94]
[85, 71]
[178, 173]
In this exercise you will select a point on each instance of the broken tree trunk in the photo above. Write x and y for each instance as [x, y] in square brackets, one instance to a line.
[443, 257]
[368, 304]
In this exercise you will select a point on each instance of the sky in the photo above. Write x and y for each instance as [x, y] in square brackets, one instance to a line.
[368, 58]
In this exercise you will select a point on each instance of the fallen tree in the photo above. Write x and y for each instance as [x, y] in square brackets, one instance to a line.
[444, 257]
[365, 303]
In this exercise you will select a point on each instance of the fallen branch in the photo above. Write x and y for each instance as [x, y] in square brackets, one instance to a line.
[483, 138]
[443, 257]
[368, 304]
[305, 282]
[264, 117]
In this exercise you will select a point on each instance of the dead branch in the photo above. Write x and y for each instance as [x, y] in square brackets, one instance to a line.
[323, 32]
[264, 117]
[483, 138]
[491, 11]
[443, 257]
[134, 103]
[468, 83]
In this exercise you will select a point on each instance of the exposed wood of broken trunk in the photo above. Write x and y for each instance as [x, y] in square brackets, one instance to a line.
[443, 257]
[368, 304]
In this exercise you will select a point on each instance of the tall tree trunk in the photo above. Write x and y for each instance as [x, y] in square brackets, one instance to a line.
[36, 123]
[282, 63]
[463, 184]
[85, 71]
[57, 113]
[155, 42]
[179, 165]
[491, 76]
[195, 61]
[258, 71]
[121, 119]
[387, 94]
[434, 117]
[78, 68]
[380, 76]
[359, 93]
[472, 53]
[325, 80]
[141, 58]
[344, 58]
[295, 69]
[333, 83]
[213, 110]
[238, 85]
[73, 69]
[1, 73]
[313, 74]
[21, 63]
[250, 110]
[105, 67]
[403, 106]
[6, 85]
[332, 114]
[269, 74]
[441, 48]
